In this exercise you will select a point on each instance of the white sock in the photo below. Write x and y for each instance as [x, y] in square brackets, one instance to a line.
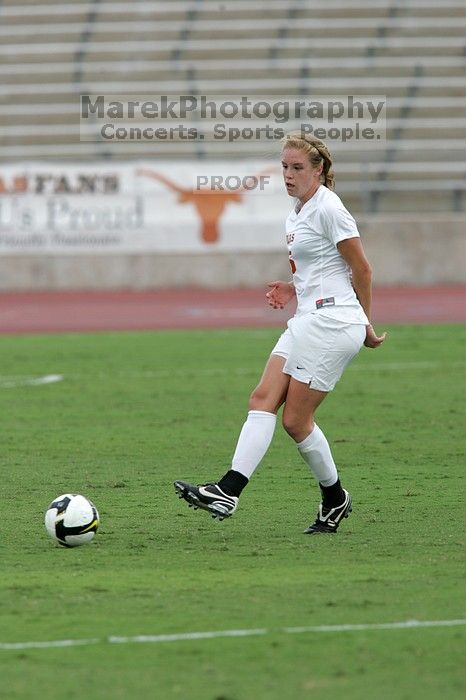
[315, 451]
[253, 442]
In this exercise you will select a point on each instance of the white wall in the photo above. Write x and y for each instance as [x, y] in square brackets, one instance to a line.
[402, 250]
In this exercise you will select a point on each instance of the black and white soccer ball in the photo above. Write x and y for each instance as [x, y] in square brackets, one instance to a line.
[71, 520]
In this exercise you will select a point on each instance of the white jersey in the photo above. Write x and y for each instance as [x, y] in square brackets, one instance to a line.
[321, 277]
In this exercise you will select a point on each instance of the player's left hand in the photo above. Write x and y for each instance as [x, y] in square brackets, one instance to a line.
[372, 339]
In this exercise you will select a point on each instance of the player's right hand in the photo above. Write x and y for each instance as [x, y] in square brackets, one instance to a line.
[280, 294]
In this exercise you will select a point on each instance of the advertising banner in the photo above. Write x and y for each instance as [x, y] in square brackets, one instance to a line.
[133, 207]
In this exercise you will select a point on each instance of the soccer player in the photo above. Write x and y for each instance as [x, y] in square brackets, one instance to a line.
[332, 281]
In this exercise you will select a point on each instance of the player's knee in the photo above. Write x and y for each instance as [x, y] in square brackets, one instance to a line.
[296, 426]
[290, 423]
[262, 399]
[259, 399]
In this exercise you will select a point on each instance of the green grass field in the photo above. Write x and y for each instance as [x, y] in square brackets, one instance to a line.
[137, 410]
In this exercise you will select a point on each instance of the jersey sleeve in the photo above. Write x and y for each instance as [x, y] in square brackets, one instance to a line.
[338, 224]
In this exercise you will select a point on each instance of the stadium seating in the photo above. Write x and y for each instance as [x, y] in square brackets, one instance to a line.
[412, 51]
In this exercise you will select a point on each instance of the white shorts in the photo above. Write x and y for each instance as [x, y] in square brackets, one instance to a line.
[317, 349]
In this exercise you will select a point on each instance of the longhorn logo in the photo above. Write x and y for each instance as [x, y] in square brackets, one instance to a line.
[210, 204]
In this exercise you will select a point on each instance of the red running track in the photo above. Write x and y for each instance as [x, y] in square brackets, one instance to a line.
[53, 312]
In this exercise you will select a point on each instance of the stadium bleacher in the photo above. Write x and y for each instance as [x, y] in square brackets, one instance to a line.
[412, 51]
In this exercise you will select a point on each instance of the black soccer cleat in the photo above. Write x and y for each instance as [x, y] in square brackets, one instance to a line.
[328, 519]
[208, 497]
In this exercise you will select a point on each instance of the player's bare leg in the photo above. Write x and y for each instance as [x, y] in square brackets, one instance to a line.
[301, 404]
[272, 389]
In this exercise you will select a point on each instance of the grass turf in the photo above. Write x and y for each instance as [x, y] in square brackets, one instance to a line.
[137, 410]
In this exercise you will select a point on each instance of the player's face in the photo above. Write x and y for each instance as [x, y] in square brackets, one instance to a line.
[301, 178]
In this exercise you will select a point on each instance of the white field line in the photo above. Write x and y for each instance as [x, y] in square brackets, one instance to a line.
[188, 636]
[48, 645]
[194, 636]
[27, 380]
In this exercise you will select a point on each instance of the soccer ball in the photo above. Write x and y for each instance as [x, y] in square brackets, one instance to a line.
[71, 520]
